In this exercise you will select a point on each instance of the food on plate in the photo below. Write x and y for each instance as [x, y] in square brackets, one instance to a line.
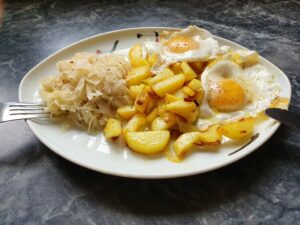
[148, 142]
[88, 89]
[196, 90]
[182, 92]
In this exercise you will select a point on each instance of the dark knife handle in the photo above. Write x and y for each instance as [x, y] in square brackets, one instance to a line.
[287, 117]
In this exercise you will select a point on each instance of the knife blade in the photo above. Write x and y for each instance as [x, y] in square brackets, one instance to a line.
[286, 117]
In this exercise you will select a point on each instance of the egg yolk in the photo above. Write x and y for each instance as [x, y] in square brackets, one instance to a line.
[180, 44]
[227, 96]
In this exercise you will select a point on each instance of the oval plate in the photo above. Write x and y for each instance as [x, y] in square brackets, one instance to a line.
[95, 153]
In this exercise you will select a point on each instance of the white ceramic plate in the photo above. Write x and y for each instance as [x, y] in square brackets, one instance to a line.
[95, 153]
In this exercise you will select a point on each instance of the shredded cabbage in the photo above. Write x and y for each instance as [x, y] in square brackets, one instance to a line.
[88, 89]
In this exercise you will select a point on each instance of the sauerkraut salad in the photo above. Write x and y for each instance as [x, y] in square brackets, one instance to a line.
[87, 89]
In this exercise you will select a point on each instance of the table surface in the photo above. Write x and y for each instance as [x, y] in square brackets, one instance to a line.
[39, 187]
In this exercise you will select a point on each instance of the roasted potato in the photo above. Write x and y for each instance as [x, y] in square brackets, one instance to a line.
[198, 97]
[138, 75]
[169, 85]
[176, 68]
[151, 58]
[136, 56]
[185, 142]
[165, 122]
[185, 127]
[126, 112]
[148, 142]
[152, 115]
[180, 94]
[165, 74]
[137, 121]
[195, 85]
[181, 108]
[212, 136]
[188, 91]
[142, 100]
[238, 130]
[171, 98]
[112, 129]
[188, 71]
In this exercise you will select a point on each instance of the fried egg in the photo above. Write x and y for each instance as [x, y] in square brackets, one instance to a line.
[233, 92]
[190, 45]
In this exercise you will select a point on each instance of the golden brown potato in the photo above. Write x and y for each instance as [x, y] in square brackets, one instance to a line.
[152, 115]
[136, 56]
[142, 100]
[112, 129]
[238, 130]
[188, 71]
[166, 123]
[185, 127]
[212, 136]
[171, 98]
[176, 68]
[148, 142]
[165, 74]
[169, 85]
[181, 108]
[188, 91]
[137, 121]
[137, 75]
[126, 112]
[185, 142]
[195, 85]
[151, 58]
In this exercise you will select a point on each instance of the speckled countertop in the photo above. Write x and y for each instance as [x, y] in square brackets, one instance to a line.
[39, 187]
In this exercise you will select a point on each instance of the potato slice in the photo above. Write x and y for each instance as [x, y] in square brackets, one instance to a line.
[198, 97]
[192, 117]
[169, 85]
[165, 74]
[148, 142]
[138, 75]
[188, 91]
[181, 108]
[238, 130]
[188, 71]
[142, 100]
[151, 58]
[212, 136]
[152, 115]
[185, 142]
[112, 129]
[195, 85]
[136, 56]
[180, 94]
[134, 90]
[135, 123]
[171, 98]
[163, 124]
[176, 68]
[126, 112]
[151, 105]
[185, 127]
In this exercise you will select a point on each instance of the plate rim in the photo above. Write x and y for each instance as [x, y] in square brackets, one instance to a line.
[147, 176]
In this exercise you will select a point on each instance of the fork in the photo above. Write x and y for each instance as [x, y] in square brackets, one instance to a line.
[21, 110]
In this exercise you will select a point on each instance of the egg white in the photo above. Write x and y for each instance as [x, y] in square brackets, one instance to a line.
[259, 85]
[208, 48]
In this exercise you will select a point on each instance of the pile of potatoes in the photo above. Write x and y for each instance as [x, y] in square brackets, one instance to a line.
[165, 107]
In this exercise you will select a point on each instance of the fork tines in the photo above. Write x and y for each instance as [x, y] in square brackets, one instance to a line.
[20, 108]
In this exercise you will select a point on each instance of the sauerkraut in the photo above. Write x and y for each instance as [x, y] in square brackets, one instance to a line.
[88, 89]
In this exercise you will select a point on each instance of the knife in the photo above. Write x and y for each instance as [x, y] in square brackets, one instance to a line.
[287, 117]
